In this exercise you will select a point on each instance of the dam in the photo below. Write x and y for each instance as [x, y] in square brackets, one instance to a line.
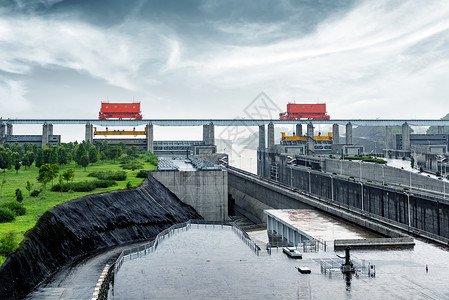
[142, 214]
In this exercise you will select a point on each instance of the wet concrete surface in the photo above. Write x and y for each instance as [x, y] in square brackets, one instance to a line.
[78, 280]
[208, 263]
[320, 225]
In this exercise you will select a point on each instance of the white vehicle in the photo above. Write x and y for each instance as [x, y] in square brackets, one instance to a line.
[292, 252]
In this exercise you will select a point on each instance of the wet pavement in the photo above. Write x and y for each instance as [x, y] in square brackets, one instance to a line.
[78, 280]
[213, 263]
[320, 225]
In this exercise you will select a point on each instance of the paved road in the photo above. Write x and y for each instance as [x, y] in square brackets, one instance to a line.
[78, 280]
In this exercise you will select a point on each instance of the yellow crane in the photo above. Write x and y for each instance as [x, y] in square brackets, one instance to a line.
[318, 137]
[119, 132]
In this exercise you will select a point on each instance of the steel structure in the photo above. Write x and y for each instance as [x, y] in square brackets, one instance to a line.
[120, 111]
[297, 111]
[227, 122]
[119, 132]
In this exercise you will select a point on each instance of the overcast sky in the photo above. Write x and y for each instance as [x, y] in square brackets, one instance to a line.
[210, 59]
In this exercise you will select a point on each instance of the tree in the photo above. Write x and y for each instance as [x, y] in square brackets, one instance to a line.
[39, 157]
[132, 151]
[114, 152]
[84, 161]
[60, 182]
[28, 159]
[45, 175]
[17, 148]
[3, 182]
[29, 187]
[63, 157]
[46, 155]
[5, 158]
[53, 155]
[93, 154]
[80, 151]
[16, 161]
[19, 196]
[27, 147]
[17, 166]
[8, 243]
[54, 172]
[68, 174]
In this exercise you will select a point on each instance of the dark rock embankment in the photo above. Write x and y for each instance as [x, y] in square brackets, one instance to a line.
[89, 224]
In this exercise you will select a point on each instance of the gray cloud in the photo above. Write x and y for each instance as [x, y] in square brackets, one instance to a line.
[210, 58]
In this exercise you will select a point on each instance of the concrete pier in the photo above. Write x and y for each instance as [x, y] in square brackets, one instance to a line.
[336, 133]
[89, 137]
[150, 137]
[298, 130]
[389, 137]
[310, 140]
[206, 134]
[44, 135]
[261, 151]
[261, 137]
[9, 129]
[349, 134]
[211, 134]
[270, 135]
[2, 133]
[405, 137]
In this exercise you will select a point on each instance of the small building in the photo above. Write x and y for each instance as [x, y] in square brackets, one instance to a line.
[53, 140]
[347, 150]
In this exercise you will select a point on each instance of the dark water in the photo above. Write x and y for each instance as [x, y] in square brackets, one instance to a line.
[213, 263]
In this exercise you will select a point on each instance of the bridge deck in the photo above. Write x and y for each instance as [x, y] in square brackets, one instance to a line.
[227, 122]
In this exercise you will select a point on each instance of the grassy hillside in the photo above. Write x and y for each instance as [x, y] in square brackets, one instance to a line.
[36, 206]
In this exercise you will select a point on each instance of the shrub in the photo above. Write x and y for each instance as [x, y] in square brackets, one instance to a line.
[6, 215]
[369, 180]
[15, 207]
[7, 243]
[19, 196]
[104, 183]
[109, 175]
[35, 193]
[142, 174]
[128, 185]
[352, 177]
[131, 165]
[83, 186]
[149, 157]
[334, 173]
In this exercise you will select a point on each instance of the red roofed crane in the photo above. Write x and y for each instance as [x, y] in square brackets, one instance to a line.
[305, 111]
[120, 111]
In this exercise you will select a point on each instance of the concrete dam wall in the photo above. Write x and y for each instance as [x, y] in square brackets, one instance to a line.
[85, 225]
[205, 190]
[413, 210]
